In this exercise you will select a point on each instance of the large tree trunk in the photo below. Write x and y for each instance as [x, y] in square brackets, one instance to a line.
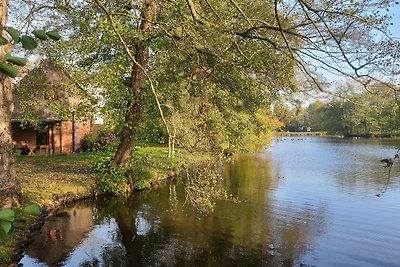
[10, 190]
[128, 134]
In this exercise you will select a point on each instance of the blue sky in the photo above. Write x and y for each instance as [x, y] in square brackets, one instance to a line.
[394, 29]
[395, 12]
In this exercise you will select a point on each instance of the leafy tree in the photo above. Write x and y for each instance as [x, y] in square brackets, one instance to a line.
[326, 116]
[11, 38]
[196, 66]
[361, 113]
[229, 60]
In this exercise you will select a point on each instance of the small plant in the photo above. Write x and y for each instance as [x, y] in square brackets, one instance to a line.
[9, 217]
[88, 143]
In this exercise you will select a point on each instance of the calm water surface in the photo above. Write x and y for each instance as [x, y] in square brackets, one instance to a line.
[303, 202]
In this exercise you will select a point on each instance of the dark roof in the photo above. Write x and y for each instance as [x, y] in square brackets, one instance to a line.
[45, 93]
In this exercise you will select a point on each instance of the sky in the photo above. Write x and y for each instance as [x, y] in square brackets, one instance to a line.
[395, 12]
[394, 29]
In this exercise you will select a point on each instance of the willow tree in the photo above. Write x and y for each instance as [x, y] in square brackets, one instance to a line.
[226, 60]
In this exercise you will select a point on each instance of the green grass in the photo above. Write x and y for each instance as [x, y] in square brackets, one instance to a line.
[45, 178]
[6, 252]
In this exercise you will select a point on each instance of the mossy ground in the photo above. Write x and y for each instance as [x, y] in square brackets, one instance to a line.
[51, 180]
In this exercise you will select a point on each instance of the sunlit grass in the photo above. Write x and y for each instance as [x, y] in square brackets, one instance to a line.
[43, 178]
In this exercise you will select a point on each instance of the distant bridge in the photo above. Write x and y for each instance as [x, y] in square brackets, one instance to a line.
[300, 133]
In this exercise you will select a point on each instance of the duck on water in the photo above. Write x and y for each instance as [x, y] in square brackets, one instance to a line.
[389, 162]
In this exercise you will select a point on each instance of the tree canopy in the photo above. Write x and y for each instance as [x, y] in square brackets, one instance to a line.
[216, 69]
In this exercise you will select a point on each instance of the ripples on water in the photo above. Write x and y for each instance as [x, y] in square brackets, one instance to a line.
[304, 201]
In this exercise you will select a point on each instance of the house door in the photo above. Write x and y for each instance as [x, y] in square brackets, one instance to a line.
[41, 138]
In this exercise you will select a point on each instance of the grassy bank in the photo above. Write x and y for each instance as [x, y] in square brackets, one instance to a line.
[50, 181]
[45, 179]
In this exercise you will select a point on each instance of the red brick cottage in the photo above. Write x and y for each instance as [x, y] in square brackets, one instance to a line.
[48, 108]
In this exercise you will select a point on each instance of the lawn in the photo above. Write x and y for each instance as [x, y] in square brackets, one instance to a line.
[46, 179]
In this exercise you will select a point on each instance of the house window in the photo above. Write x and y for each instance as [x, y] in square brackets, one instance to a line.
[41, 138]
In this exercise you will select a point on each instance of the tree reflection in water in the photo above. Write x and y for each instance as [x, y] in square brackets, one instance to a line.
[159, 228]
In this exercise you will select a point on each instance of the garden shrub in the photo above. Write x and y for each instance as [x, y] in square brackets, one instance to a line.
[103, 142]
[88, 143]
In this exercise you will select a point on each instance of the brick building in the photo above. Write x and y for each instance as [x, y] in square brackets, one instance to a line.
[51, 114]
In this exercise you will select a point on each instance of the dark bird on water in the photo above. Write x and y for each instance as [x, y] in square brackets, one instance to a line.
[389, 162]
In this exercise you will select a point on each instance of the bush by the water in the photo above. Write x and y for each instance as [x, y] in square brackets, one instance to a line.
[112, 178]
[120, 180]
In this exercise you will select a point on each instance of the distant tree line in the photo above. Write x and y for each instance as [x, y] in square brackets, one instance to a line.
[362, 113]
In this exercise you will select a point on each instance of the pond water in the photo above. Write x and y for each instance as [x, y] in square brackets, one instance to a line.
[302, 202]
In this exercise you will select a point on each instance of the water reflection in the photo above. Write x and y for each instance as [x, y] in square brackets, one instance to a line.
[304, 201]
[60, 234]
[100, 247]
[156, 228]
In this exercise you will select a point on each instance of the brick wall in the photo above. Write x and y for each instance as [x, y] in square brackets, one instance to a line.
[22, 136]
[81, 129]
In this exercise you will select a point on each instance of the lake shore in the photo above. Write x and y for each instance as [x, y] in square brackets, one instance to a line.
[56, 180]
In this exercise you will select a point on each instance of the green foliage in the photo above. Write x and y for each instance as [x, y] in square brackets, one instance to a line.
[363, 113]
[14, 33]
[6, 219]
[31, 209]
[138, 174]
[9, 217]
[218, 73]
[40, 34]
[112, 178]
[325, 116]
[54, 35]
[88, 143]
[119, 180]
[210, 92]
[53, 91]
[8, 70]
[141, 184]
[19, 61]
[27, 42]
[3, 41]
[104, 141]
